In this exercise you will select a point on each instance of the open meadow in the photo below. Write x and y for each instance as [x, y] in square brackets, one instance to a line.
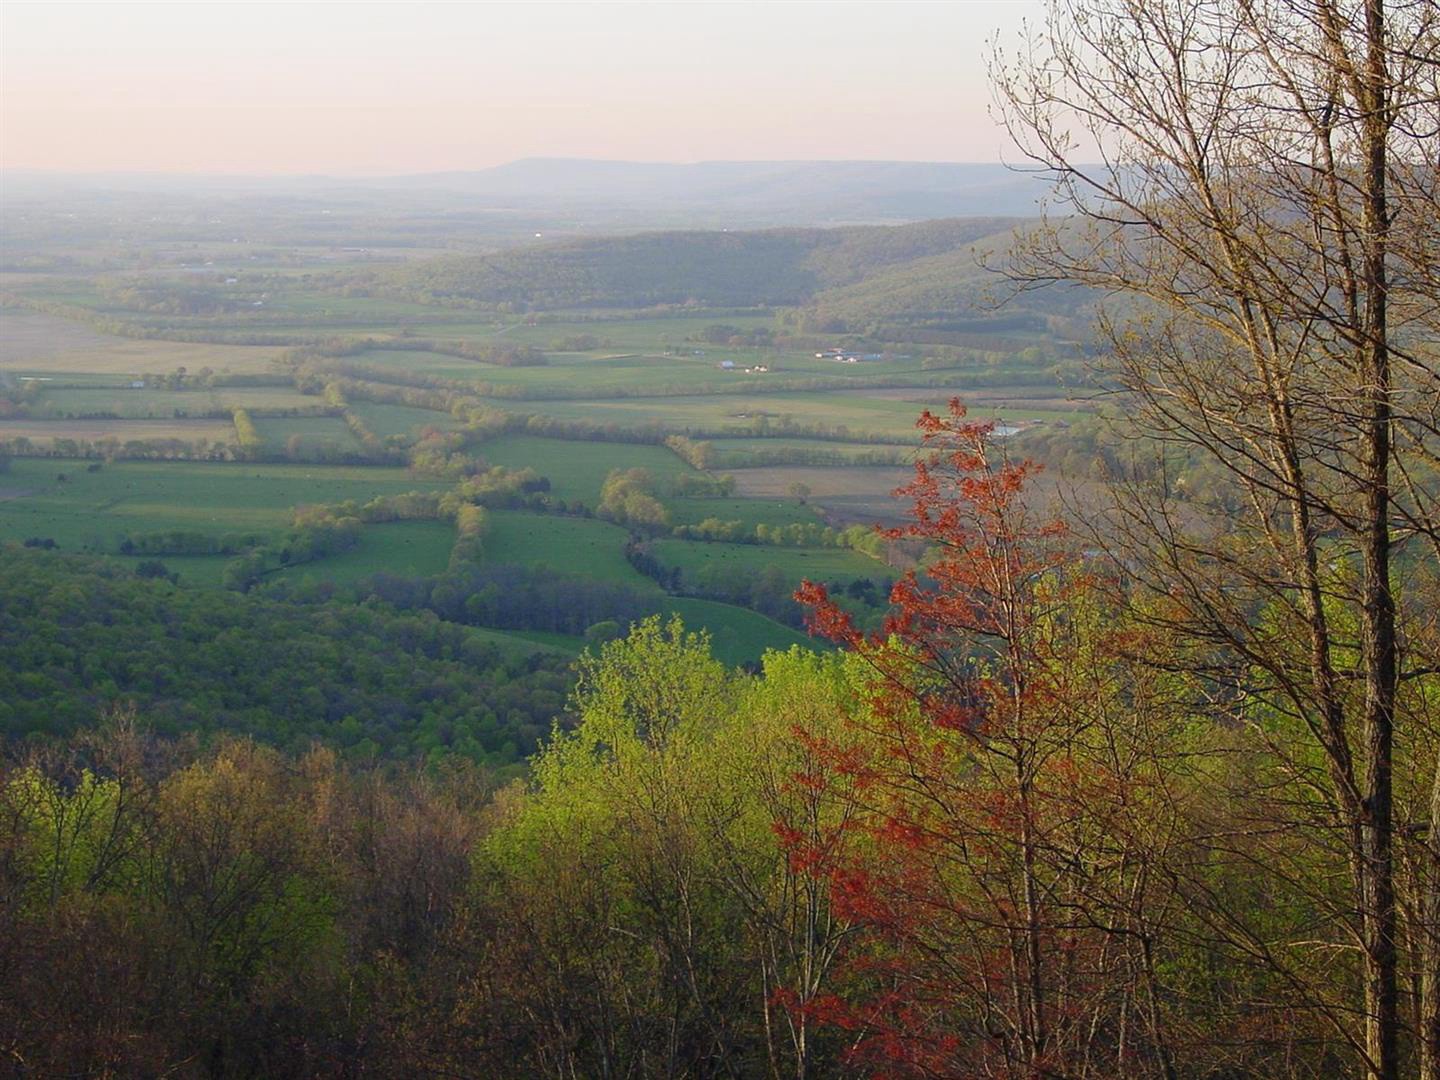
[565, 545]
[406, 548]
[130, 403]
[81, 509]
[851, 416]
[577, 470]
[192, 430]
[37, 344]
[721, 562]
[385, 419]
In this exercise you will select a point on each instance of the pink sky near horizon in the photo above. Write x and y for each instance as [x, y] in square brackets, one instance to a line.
[384, 88]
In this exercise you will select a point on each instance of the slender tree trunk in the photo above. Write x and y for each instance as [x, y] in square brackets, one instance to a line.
[1429, 941]
[1035, 1019]
[1378, 604]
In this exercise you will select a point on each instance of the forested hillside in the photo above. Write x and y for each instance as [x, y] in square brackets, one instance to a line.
[849, 276]
[79, 637]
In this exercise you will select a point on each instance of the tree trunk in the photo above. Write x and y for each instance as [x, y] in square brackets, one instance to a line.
[1429, 940]
[1377, 602]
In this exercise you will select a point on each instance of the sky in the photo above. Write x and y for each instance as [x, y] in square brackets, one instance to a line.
[355, 88]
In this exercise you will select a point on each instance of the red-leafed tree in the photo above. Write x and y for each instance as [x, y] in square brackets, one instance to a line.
[995, 858]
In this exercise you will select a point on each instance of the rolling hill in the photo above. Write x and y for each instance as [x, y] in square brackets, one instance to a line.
[770, 267]
[919, 275]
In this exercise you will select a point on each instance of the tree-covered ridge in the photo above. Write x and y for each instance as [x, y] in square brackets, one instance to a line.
[712, 269]
[78, 636]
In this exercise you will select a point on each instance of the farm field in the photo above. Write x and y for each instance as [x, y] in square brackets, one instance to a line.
[563, 374]
[744, 414]
[642, 374]
[692, 510]
[733, 453]
[570, 644]
[594, 549]
[568, 545]
[701, 562]
[306, 307]
[189, 429]
[1038, 399]
[416, 362]
[37, 344]
[737, 635]
[577, 469]
[596, 375]
[192, 571]
[149, 403]
[528, 642]
[94, 511]
[619, 333]
[864, 494]
[385, 419]
[846, 495]
[310, 432]
[404, 548]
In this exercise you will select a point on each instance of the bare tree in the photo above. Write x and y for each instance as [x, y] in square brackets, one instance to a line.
[1255, 183]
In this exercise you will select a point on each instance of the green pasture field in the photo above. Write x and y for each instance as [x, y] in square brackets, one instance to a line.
[617, 370]
[621, 334]
[1010, 407]
[414, 362]
[131, 403]
[528, 642]
[577, 469]
[405, 548]
[741, 415]
[856, 415]
[742, 453]
[385, 419]
[846, 495]
[568, 373]
[769, 511]
[313, 431]
[737, 634]
[745, 561]
[188, 429]
[193, 571]
[583, 546]
[95, 511]
[569, 644]
[307, 306]
[572, 374]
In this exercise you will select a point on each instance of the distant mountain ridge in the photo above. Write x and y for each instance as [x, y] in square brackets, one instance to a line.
[883, 186]
[655, 194]
[795, 192]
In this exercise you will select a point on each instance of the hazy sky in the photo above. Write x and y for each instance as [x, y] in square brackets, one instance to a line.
[414, 87]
